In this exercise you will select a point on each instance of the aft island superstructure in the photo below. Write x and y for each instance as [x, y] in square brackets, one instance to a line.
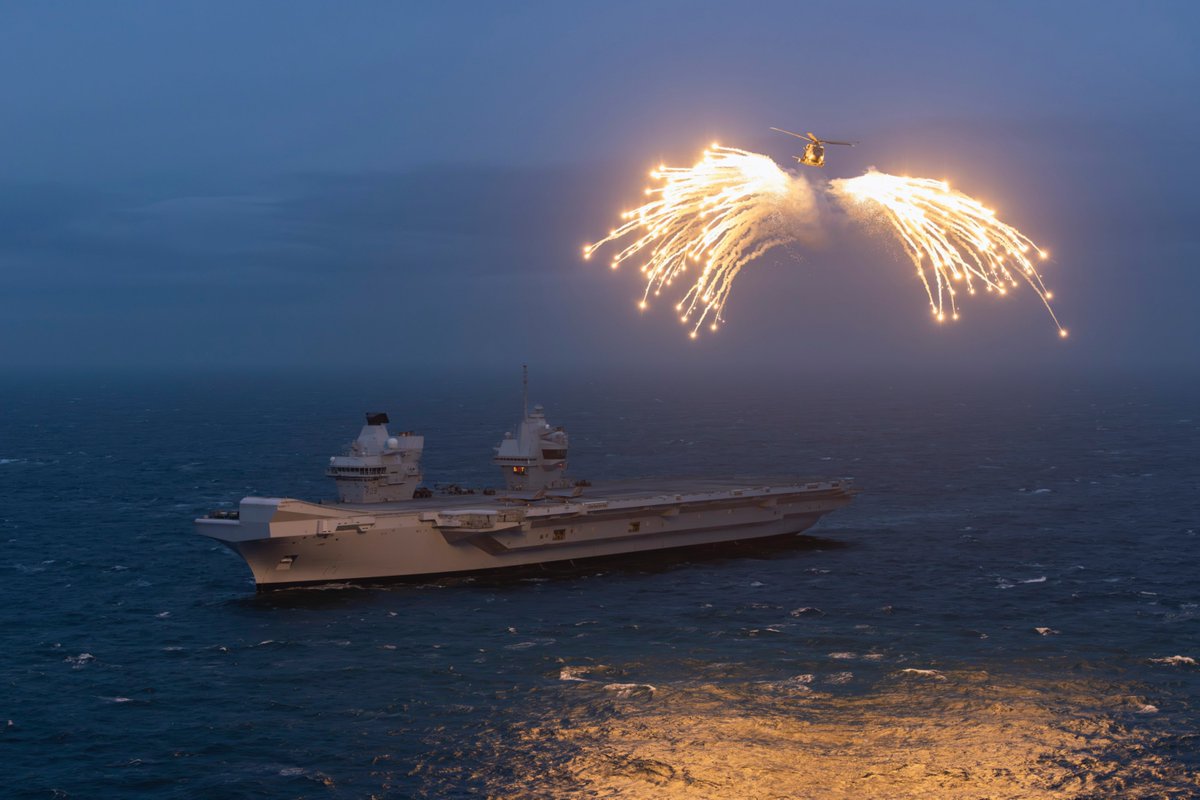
[385, 525]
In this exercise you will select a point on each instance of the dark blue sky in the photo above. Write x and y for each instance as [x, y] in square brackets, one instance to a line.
[312, 184]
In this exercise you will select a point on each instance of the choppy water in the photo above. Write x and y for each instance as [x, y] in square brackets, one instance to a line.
[1009, 610]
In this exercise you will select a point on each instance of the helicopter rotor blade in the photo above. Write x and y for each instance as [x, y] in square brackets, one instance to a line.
[831, 141]
[789, 133]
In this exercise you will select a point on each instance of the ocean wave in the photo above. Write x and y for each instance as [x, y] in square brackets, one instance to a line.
[628, 690]
[573, 673]
[1175, 661]
[529, 643]
[797, 684]
[768, 629]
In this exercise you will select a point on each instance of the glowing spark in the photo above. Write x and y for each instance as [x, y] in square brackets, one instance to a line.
[950, 236]
[719, 214]
[732, 206]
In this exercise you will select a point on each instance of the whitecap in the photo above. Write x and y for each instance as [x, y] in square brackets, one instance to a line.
[1047, 631]
[80, 661]
[873, 657]
[1036, 580]
[805, 611]
[163, 614]
[626, 690]
[924, 673]
[839, 678]
[1040, 491]
[1175, 661]
[117, 699]
[756, 584]
[843, 656]
[572, 673]
[796, 683]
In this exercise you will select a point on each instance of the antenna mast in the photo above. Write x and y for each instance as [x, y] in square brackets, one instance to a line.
[524, 390]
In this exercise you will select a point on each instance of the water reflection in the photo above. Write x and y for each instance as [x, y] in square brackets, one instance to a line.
[912, 734]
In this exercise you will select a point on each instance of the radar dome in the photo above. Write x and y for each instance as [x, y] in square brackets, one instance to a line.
[393, 443]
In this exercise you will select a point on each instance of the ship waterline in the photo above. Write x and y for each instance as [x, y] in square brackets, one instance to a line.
[385, 525]
[289, 542]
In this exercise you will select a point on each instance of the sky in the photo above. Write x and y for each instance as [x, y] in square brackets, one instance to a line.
[385, 185]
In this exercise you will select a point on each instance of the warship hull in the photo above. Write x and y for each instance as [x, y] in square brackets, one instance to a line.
[288, 542]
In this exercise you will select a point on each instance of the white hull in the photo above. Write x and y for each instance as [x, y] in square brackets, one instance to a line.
[289, 542]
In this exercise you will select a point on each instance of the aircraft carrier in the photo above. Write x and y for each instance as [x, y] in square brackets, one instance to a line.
[386, 526]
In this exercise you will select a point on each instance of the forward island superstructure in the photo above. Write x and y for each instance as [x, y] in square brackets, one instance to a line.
[385, 525]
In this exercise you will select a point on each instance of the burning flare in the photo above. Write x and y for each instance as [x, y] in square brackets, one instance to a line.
[949, 235]
[710, 219]
[732, 206]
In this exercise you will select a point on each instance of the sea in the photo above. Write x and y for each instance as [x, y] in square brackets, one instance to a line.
[1009, 609]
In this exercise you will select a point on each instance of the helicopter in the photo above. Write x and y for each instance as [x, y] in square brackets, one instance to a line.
[814, 149]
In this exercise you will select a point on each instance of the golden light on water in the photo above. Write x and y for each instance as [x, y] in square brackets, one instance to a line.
[953, 239]
[706, 222]
[899, 733]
